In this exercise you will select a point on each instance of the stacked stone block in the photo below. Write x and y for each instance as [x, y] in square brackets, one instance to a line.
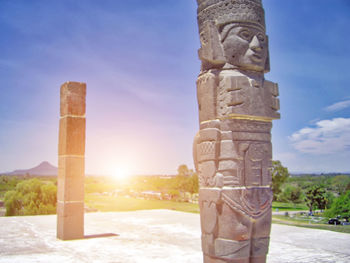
[71, 162]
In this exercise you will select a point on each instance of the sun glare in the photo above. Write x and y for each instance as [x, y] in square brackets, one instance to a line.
[121, 173]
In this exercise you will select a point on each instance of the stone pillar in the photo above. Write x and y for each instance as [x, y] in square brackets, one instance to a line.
[232, 150]
[71, 150]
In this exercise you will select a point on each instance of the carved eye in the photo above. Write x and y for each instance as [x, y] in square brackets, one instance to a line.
[245, 34]
[261, 37]
[203, 39]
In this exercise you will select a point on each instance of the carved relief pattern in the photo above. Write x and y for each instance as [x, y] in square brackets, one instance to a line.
[232, 150]
[207, 148]
[251, 202]
[226, 10]
[245, 160]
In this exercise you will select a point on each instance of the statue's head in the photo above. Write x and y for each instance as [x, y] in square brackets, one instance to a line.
[233, 32]
[245, 46]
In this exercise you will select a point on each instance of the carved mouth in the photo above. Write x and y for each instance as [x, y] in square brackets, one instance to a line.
[257, 57]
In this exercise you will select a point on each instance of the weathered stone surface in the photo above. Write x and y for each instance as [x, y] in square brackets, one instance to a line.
[70, 220]
[230, 249]
[206, 86]
[72, 136]
[253, 136]
[210, 124]
[207, 150]
[207, 170]
[70, 189]
[70, 181]
[232, 150]
[68, 208]
[239, 125]
[32, 239]
[73, 98]
[228, 150]
[71, 166]
[71, 163]
[209, 135]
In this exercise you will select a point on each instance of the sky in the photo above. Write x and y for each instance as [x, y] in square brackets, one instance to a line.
[139, 60]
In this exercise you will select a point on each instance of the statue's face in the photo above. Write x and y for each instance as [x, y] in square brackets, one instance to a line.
[245, 46]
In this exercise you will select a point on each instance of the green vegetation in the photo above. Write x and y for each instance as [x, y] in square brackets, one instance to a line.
[107, 203]
[281, 206]
[341, 184]
[340, 207]
[337, 184]
[144, 192]
[316, 191]
[27, 196]
[309, 223]
[183, 170]
[185, 182]
[279, 176]
[100, 184]
[292, 194]
[311, 192]
[316, 198]
[7, 183]
[31, 197]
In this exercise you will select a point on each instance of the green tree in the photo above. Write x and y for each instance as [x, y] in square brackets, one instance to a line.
[296, 195]
[316, 198]
[279, 175]
[330, 199]
[347, 187]
[340, 183]
[193, 184]
[292, 194]
[7, 183]
[31, 197]
[183, 170]
[174, 194]
[186, 181]
[340, 206]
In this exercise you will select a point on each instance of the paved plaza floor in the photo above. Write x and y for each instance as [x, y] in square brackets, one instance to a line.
[155, 236]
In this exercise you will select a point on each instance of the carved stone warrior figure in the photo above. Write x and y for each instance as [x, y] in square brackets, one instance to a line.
[232, 150]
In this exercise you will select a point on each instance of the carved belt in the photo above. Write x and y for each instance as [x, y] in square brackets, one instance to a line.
[253, 202]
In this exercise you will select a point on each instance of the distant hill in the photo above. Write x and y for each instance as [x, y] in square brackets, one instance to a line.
[45, 168]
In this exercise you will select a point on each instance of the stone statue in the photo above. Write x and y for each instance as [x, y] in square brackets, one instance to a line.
[232, 151]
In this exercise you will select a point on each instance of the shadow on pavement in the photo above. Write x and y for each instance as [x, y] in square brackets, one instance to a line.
[100, 235]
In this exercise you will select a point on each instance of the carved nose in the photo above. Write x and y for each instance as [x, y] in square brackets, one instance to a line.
[255, 44]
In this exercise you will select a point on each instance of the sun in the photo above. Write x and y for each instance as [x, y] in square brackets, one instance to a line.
[121, 173]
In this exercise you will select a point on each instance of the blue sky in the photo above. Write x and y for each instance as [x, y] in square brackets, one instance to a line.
[139, 60]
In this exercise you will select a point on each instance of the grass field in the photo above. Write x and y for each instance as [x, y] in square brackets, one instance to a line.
[111, 203]
[288, 206]
[293, 222]
[107, 203]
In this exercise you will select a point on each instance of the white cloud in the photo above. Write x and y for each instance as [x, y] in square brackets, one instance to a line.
[338, 106]
[328, 137]
[285, 156]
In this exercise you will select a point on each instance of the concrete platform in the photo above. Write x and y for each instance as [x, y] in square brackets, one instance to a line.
[155, 236]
